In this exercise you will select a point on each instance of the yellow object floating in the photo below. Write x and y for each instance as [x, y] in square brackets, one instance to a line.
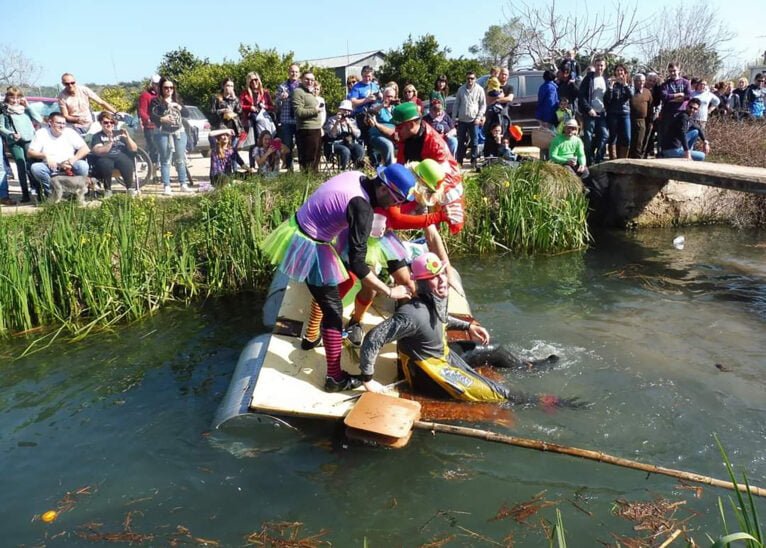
[49, 516]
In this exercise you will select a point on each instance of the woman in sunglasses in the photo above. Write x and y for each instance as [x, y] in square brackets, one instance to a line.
[112, 150]
[166, 113]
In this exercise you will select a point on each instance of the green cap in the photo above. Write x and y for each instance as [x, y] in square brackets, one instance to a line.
[406, 112]
[429, 172]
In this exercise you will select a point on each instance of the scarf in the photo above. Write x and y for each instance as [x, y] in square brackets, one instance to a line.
[15, 109]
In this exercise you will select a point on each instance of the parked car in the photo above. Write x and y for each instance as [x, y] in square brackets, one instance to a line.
[43, 105]
[201, 128]
[525, 85]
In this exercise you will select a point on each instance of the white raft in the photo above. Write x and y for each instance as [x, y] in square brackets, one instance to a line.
[275, 377]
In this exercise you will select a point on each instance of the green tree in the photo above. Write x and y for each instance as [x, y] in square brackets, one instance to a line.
[177, 62]
[419, 62]
[700, 60]
[500, 45]
[121, 98]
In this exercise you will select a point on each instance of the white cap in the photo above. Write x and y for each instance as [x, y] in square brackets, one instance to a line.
[155, 79]
[346, 105]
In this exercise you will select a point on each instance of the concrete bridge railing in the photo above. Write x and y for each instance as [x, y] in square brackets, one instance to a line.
[666, 192]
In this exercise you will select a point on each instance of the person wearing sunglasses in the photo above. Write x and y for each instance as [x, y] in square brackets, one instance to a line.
[167, 114]
[302, 249]
[682, 132]
[112, 150]
[74, 103]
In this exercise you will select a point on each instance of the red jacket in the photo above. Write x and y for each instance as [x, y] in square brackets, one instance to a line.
[143, 109]
[250, 104]
[451, 188]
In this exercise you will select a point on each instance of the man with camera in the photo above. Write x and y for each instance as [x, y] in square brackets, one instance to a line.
[342, 133]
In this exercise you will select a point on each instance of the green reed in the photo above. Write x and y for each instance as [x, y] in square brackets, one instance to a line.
[536, 208]
[85, 268]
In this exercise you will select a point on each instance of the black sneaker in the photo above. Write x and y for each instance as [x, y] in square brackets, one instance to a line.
[354, 334]
[308, 345]
[348, 382]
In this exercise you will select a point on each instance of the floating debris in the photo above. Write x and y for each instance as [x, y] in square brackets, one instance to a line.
[524, 510]
[285, 534]
[657, 517]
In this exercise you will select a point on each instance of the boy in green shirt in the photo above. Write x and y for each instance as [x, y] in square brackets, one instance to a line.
[568, 150]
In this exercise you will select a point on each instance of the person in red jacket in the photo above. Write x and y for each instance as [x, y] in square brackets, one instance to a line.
[146, 121]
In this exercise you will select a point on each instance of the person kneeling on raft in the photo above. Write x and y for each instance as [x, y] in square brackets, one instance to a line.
[420, 329]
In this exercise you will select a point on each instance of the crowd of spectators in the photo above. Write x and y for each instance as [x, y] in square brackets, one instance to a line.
[593, 115]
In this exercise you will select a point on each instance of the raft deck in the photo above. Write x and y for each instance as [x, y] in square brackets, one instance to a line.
[291, 380]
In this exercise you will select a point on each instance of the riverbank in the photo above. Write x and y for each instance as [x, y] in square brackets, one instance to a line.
[82, 268]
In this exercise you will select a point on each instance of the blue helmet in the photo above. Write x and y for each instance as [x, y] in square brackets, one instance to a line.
[399, 180]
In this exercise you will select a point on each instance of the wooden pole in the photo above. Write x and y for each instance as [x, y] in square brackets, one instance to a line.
[582, 453]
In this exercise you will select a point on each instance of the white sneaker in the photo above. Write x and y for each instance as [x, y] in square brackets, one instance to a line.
[132, 192]
[167, 191]
[185, 188]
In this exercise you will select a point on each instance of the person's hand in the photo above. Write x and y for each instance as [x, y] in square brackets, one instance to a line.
[580, 169]
[23, 102]
[374, 386]
[16, 136]
[53, 166]
[454, 213]
[572, 162]
[400, 292]
[478, 333]
[688, 155]
[592, 113]
[706, 147]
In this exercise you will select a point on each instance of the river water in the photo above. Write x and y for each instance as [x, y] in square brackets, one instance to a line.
[667, 345]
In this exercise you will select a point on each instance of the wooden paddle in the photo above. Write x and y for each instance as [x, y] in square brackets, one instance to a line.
[390, 420]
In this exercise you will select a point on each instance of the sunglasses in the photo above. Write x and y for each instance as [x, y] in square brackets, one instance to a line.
[107, 123]
[168, 87]
[69, 83]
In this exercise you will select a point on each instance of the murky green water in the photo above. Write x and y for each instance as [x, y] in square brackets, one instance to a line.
[640, 327]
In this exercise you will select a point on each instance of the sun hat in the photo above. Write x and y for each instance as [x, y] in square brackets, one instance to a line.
[430, 172]
[346, 105]
[399, 180]
[571, 123]
[156, 79]
[405, 112]
[427, 266]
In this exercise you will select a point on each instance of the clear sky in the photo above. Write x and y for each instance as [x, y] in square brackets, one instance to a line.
[108, 41]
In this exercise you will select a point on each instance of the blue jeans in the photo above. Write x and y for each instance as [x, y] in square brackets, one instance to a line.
[472, 131]
[287, 134]
[691, 137]
[42, 173]
[3, 175]
[451, 143]
[384, 147]
[595, 136]
[179, 156]
[619, 129]
[348, 152]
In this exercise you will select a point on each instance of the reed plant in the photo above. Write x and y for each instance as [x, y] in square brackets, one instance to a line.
[536, 208]
[82, 268]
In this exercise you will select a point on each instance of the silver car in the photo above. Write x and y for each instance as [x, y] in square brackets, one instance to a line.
[201, 128]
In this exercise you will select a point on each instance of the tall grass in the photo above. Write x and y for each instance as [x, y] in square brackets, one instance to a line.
[536, 208]
[80, 268]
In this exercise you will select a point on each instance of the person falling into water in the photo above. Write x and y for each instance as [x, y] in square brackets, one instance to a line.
[420, 329]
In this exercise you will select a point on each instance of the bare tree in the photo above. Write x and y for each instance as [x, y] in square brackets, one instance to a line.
[547, 32]
[16, 68]
[691, 35]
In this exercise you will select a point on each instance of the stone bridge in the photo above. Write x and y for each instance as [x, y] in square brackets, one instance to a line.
[666, 192]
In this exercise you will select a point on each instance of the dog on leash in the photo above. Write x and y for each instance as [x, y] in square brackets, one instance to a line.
[70, 184]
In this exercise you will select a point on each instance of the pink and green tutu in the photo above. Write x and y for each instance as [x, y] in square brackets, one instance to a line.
[379, 250]
[301, 258]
